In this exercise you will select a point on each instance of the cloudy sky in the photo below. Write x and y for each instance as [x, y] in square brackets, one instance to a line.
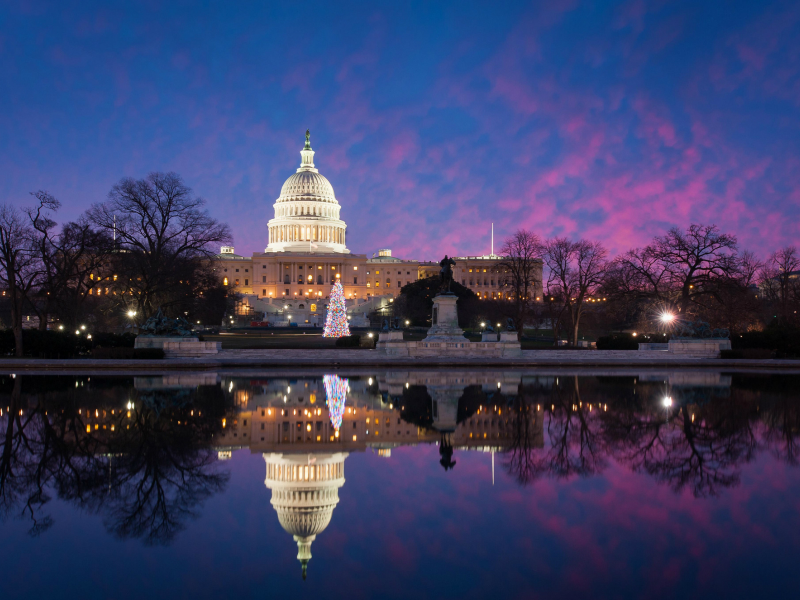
[611, 121]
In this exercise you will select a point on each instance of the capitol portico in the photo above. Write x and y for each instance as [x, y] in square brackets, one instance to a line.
[307, 252]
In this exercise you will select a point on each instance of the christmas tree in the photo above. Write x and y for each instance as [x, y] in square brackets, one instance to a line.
[336, 320]
[335, 396]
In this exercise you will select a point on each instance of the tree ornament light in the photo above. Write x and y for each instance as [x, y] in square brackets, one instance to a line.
[336, 319]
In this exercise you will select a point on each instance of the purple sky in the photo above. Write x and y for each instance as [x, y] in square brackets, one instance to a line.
[612, 121]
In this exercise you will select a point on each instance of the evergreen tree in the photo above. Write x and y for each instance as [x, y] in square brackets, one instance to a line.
[336, 320]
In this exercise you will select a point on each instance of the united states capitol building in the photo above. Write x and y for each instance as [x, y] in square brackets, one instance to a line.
[307, 252]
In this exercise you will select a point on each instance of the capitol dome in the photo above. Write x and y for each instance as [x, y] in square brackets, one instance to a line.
[307, 212]
[305, 490]
[307, 185]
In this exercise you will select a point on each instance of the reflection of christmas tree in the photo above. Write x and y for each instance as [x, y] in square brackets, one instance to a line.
[335, 395]
[336, 321]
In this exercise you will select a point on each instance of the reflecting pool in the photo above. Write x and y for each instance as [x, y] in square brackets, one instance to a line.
[400, 484]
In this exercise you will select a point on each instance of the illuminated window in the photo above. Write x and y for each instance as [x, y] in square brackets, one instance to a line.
[225, 281]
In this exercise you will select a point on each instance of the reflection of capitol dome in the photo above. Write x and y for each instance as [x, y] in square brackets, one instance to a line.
[307, 213]
[305, 490]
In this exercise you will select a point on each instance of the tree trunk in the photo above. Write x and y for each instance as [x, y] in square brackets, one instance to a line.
[16, 326]
[575, 323]
[16, 316]
[43, 321]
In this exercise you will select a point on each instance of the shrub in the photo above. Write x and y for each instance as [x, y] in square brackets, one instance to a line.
[784, 339]
[619, 341]
[45, 344]
[61, 344]
[348, 341]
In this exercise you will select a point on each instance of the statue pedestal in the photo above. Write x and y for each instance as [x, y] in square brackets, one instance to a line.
[178, 346]
[444, 320]
[446, 338]
[701, 348]
[157, 341]
[391, 343]
[489, 336]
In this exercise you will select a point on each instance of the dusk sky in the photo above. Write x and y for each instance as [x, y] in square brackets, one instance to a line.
[611, 121]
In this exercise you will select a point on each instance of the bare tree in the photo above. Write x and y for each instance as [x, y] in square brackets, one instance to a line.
[68, 258]
[164, 236]
[695, 261]
[522, 268]
[19, 269]
[576, 271]
[780, 282]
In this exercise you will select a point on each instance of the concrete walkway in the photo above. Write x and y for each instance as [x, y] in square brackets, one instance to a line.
[283, 359]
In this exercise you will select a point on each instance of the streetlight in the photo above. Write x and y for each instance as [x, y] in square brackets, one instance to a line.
[131, 313]
[667, 317]
[483, 325]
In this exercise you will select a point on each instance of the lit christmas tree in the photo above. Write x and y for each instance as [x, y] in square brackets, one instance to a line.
[336, 320]
[335, 396]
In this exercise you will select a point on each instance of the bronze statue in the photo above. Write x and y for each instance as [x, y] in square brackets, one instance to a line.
[446, 274]
[308, 138]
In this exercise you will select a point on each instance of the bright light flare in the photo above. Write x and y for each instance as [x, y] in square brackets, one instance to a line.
[667, 317]
[667, 402]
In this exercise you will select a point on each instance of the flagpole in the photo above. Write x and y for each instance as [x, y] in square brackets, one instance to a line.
[492, 239]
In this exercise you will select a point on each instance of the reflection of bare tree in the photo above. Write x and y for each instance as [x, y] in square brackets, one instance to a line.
[573, 445]
[779, 410]
[700, 448]
[157, 478]
[696, 447]
[147, 478]
[782, 429]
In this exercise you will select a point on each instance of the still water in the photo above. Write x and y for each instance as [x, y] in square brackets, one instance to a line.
[425, 484]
